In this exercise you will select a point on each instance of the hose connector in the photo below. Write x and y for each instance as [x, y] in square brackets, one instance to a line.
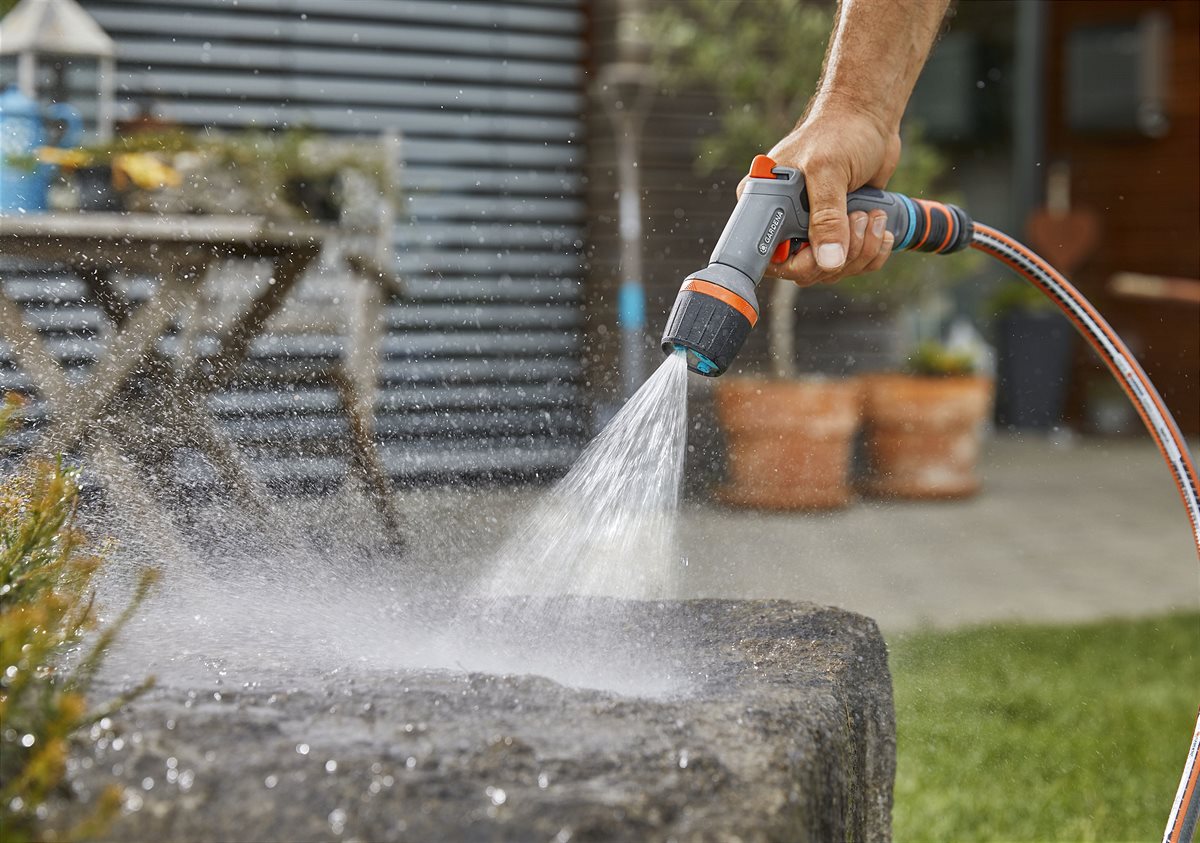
[937, 227]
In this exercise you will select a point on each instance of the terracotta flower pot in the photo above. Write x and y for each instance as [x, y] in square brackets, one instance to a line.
[924, 434]
[789, 441]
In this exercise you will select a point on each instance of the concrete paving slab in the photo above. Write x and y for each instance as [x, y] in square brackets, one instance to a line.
[1064, 533]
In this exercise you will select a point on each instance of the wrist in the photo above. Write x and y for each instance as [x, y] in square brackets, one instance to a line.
[837, 104]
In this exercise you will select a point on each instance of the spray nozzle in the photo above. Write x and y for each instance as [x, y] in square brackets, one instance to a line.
[716, 307]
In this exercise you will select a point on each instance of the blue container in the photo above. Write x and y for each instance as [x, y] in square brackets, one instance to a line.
[25, 127]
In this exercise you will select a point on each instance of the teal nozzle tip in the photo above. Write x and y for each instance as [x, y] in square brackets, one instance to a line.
[696, 361]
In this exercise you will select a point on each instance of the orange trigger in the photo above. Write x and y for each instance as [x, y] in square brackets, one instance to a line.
[761, 167]
[782, 252]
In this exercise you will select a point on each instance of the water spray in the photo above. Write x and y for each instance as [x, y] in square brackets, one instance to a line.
[716, 309]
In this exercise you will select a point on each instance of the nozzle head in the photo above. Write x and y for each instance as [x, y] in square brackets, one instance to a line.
[707, 328]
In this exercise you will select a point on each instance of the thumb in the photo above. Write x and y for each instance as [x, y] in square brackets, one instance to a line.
[828, 226]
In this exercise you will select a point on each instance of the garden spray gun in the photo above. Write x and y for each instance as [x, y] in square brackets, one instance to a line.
[716, 308]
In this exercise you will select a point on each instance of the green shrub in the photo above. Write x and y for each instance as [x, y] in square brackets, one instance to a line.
[47, 607]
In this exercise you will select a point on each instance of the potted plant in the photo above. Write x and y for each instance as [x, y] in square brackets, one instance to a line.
[924, 428]
[789, 434]
[1034, 344]
[789, 441]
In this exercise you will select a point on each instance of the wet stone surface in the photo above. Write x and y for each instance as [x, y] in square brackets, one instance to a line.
[786, 732]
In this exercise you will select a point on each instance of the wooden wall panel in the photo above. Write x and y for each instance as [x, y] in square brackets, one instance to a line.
[1147, 193]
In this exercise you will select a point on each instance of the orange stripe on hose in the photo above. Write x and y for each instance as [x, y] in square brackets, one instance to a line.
[928, 224]
[707, 288]
[1177, 832]
[949, 226]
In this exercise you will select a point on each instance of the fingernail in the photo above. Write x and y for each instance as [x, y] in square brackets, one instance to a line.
[889, 240]
[831, 256]
[860, 225]
[877, 225]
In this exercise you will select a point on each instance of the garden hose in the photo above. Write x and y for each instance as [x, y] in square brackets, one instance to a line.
[1181, 823]
[716, 308]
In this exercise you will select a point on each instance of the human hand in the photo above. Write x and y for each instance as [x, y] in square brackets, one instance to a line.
[838, 149]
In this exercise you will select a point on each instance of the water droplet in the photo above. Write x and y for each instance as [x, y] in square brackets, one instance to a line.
[302, 748]
[337, 820]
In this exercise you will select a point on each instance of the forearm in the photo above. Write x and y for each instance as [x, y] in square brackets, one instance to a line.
[876, 52]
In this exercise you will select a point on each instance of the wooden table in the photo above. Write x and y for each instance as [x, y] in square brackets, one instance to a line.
[178, 250]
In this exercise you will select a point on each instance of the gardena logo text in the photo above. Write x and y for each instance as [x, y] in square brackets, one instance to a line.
[772, 230]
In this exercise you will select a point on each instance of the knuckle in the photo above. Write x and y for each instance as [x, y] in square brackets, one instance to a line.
[823, 161]
[856, 265]
[826, 217]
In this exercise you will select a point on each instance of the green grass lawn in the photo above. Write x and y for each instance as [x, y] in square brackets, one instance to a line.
[1043, 733]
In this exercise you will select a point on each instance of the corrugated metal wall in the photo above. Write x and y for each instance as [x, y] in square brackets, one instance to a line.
[482, 360]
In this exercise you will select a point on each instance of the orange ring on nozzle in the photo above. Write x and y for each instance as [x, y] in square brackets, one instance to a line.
[729, 297]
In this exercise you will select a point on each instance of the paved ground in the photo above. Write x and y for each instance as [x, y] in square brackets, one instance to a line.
[1061, 532]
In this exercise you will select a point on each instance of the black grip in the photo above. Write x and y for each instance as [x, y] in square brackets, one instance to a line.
[918, 225]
